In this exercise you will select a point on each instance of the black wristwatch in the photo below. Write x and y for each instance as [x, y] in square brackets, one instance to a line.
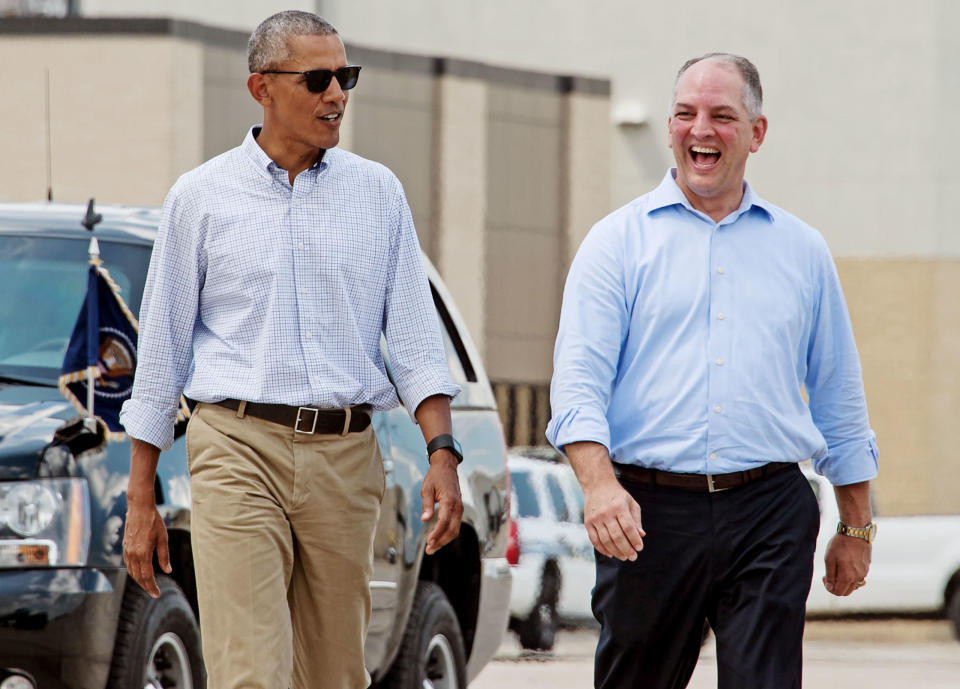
[445, 441]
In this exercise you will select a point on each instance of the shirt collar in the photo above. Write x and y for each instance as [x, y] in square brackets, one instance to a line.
[265, 163]
[669, 193]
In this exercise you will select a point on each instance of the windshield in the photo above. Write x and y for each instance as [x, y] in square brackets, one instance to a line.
[527, 505]
[44, 281]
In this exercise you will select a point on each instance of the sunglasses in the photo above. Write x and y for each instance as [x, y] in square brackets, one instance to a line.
[318, 80]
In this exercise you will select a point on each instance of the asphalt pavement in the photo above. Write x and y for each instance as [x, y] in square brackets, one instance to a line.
[838, 654]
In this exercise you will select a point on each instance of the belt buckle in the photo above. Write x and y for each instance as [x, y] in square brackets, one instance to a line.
[316, 415]
[712, 487]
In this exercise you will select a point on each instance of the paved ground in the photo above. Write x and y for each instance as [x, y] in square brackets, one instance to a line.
[838, 654]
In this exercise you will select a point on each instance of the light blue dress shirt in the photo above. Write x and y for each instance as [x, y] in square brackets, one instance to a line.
[685, 344]
[267, 292]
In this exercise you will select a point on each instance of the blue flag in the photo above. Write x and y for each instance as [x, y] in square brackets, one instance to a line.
[104, 342]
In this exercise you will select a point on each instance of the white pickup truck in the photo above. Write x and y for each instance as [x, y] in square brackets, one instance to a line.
[915, 568]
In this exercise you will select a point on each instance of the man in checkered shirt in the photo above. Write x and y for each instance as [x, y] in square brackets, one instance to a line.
[277, 267]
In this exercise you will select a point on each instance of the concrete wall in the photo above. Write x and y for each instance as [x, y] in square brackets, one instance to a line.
[393, 123]
[97, 90]
[524, 226]
[232, 14]
[462, 197]
[132, 106]
[228, 108]
[906, 317]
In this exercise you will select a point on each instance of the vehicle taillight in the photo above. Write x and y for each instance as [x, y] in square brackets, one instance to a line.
[513, 544]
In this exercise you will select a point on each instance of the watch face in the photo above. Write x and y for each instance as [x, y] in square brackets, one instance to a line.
[457, 448]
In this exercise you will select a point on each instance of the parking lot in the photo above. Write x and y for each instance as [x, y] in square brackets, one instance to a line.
[839, 654]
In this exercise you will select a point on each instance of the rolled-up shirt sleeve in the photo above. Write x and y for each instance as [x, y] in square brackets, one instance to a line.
[834, 384]
[167, 317]
[411, 325]
[594, 321]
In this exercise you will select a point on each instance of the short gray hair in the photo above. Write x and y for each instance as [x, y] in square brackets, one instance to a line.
[752, 91]
[269, 44]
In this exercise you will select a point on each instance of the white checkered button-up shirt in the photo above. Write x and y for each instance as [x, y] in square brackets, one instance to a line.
[264, 292]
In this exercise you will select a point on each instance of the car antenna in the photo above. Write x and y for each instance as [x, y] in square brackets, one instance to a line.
[46, 116]
[91, 218]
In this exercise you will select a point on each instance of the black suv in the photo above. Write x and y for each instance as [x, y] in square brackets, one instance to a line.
[70, 617]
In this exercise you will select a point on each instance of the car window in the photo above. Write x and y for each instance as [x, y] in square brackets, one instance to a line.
[458, 361]
[527, 505]
[461, 370]
[48, 276]
[557, 500]
[453, 361]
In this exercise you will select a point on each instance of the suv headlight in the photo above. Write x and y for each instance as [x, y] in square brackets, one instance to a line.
[52, 519]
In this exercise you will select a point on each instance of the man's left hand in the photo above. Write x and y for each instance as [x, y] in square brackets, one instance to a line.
[442, 487]
[848, 561]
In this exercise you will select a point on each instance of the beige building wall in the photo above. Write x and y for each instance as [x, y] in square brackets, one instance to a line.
[133, 104]
[906, 317]
[393, 123]
[524, 220]
[228, 108]
[123, 116]
[460, 183]
[586, 165]
[232, 14]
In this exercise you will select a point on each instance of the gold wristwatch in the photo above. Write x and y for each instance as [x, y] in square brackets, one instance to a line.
[867, 533]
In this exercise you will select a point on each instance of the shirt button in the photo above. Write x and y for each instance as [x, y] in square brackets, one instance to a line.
[300, 245]
[719, 362]
[721, 316]
[713, 455]
[308, 335]
[718, 409]
[721, 270]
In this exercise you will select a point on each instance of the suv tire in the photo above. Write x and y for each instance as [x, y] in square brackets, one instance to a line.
[431, 654]
[158, 640]
[538, 631]
[953, 609]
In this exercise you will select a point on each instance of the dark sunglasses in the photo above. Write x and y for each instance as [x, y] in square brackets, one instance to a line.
[318, 80]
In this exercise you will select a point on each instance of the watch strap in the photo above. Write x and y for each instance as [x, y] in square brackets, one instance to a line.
[445, 441]
[866, 533]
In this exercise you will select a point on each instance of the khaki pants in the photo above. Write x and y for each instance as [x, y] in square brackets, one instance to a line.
[282, 529]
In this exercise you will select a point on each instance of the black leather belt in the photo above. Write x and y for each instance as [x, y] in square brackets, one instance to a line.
[699, 483]
[309, 420]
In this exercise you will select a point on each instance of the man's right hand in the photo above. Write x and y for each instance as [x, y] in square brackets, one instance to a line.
[612, 518]
[143, 533]
[611, 515]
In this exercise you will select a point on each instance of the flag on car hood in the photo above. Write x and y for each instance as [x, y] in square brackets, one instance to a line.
[104, 343]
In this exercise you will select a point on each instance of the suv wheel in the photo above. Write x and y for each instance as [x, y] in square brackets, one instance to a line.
[538, 631]
[431, 655]
[158, 641]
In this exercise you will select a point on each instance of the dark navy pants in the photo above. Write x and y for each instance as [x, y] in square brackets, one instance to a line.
[741, 558]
